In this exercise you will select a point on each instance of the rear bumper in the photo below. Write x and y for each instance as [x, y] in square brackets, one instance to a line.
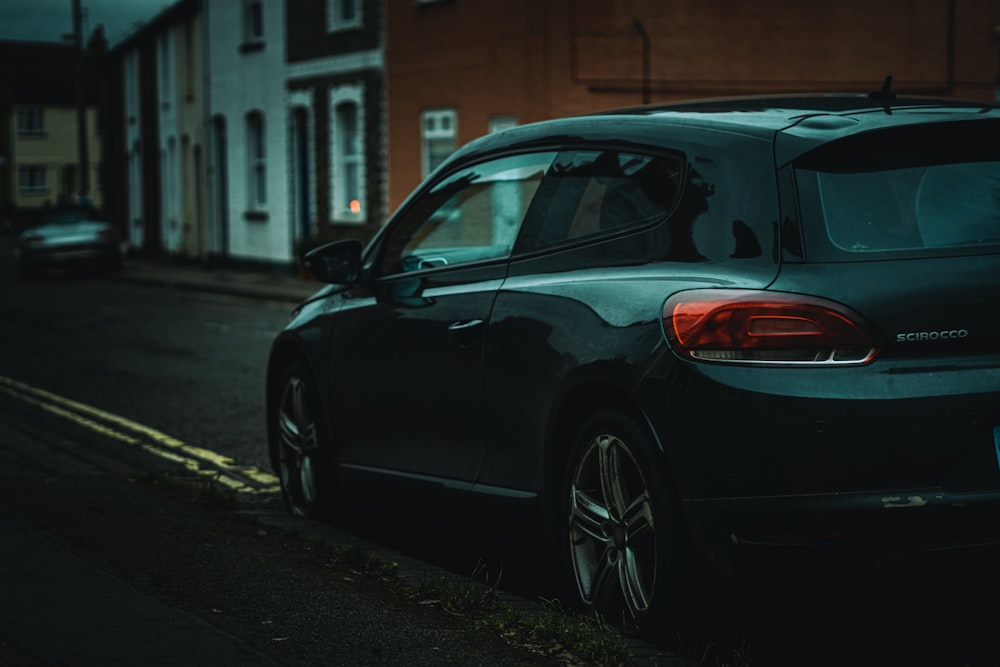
[786, 471]
[775, 539]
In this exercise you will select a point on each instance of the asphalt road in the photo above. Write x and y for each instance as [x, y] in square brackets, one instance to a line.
[105, 382]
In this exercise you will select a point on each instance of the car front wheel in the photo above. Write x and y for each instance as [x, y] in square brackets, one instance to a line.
[623, 539]
[302, 448]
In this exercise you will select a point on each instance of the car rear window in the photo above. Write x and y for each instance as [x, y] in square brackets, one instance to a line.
[903, 193]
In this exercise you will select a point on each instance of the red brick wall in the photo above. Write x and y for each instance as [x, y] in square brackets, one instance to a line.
[538, 60]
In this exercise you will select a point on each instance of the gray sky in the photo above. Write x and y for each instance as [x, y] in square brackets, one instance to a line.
[49, 20]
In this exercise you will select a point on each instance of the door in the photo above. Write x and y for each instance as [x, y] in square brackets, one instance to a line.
[407, 348]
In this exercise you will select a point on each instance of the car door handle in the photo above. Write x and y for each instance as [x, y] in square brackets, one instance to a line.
[465, 332]
[464, 325]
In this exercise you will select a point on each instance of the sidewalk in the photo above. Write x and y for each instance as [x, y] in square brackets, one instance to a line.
[59, 608]
[273, 286]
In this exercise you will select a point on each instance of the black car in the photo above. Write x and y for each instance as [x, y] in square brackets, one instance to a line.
[674, 335]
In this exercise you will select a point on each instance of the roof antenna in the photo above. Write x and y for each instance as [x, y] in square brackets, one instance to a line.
[885, 94]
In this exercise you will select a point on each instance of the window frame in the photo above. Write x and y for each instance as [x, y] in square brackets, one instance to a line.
[336, 23]
[424, 207]
[252, 18]
[501, 122]
[531, 237]
[28, 173]
[165, 73]
[429, 162]
[351, 95]
[31, 122]
[256, 161]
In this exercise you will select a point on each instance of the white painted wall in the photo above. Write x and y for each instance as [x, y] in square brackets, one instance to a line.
[192, 124]
[168, 140]
[241, 81]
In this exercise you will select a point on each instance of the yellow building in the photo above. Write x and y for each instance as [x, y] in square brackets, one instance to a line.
[44, 161]
[40, 154]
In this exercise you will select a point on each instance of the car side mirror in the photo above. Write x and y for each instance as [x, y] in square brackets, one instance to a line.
[337, 263]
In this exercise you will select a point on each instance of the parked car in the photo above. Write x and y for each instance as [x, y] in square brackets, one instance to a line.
[69, 237]
[675, 335]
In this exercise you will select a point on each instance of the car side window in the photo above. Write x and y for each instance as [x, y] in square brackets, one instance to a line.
[475, 214]
[590, 193]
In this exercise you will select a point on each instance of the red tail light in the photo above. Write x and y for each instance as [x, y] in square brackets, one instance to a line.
[753, 326]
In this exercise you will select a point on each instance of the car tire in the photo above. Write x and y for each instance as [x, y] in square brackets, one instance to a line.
[624, 547]
[302, 448]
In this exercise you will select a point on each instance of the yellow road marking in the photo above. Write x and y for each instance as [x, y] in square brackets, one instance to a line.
[176, 450]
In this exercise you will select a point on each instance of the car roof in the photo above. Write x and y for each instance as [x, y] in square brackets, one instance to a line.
[796, 124]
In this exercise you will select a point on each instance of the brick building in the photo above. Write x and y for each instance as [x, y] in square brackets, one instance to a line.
[457, 69]
[336, 96]
[289, 123]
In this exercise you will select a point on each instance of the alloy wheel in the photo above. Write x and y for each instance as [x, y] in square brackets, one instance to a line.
[298, 447]
[612, 531]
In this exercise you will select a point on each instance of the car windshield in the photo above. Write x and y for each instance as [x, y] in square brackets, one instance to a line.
[918, 199]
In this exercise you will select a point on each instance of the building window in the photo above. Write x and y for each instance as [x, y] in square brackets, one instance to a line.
[253, 21]
[31, 178]
[343, 14]
[30, 122]
[347, 152]
[189, 57]
[440, 132]
[134, 181]
[500, 123]
[166, 72]
[256, 161]
[170, 178]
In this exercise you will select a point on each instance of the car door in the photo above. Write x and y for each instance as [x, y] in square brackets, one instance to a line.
[406, 361]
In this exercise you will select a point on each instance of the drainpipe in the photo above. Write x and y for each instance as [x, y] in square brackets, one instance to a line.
[996, 80]
[646, 48]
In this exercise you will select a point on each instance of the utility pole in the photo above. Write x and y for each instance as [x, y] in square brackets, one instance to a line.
[81, 102]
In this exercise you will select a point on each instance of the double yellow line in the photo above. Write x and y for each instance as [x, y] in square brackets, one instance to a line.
[244, 479]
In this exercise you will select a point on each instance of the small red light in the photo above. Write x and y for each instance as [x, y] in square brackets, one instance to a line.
[355, 206]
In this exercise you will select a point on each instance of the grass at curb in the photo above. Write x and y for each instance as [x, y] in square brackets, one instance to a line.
[547, 629]
[553, 631]
[567, 637]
